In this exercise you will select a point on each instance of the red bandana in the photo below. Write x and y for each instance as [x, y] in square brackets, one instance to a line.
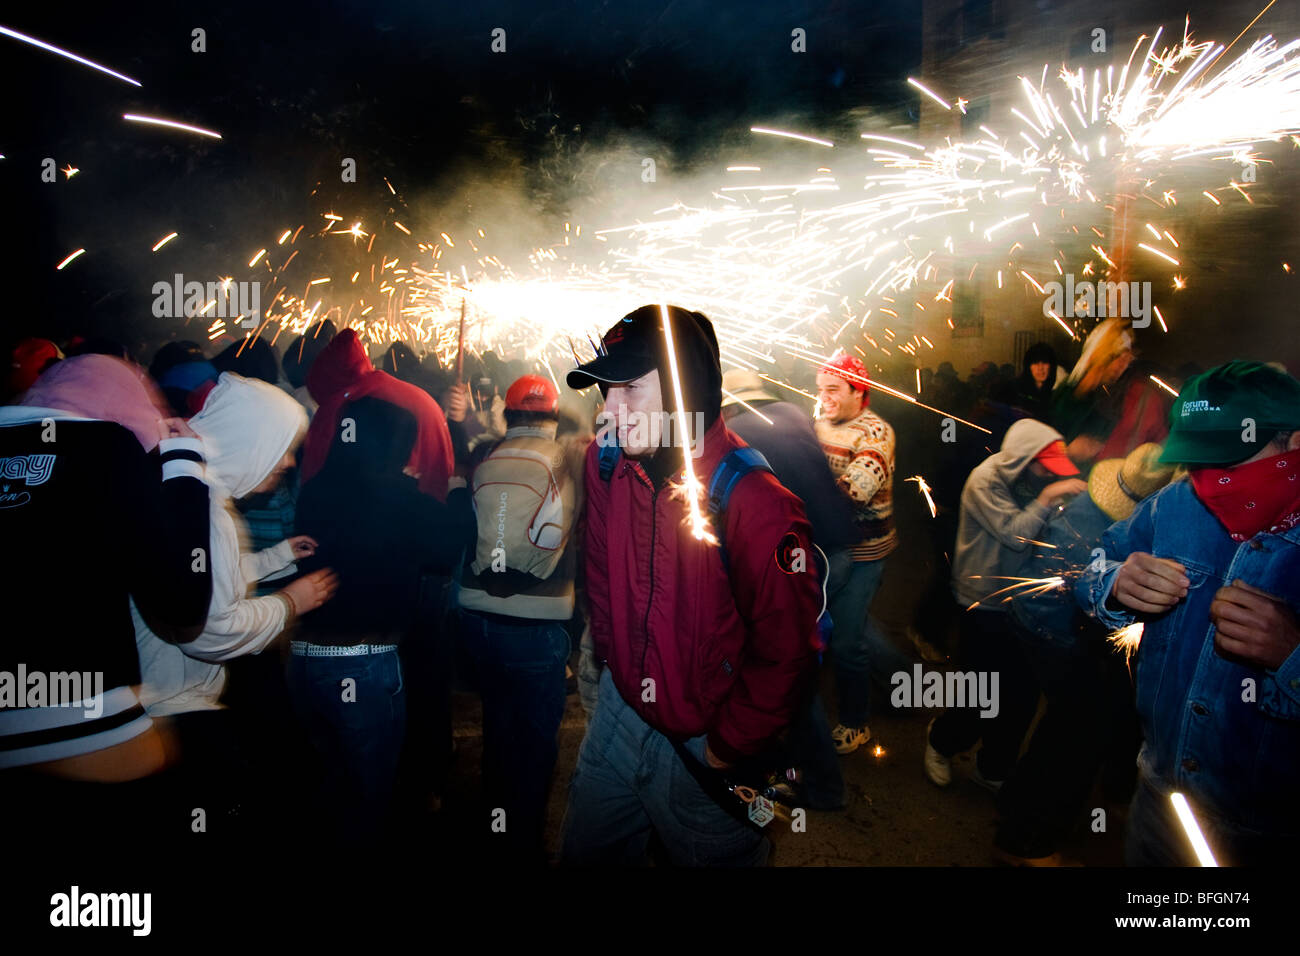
[1249, 499]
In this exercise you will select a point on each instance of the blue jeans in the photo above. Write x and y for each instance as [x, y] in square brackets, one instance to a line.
[358, 732]
[519, 671]
[857, 643]
[630, 782]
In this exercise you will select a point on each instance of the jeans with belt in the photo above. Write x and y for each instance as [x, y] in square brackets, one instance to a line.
[630, 782]
[354, 711]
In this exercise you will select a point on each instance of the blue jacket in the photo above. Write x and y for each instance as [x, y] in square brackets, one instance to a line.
[1053, 617]
[1234, 753]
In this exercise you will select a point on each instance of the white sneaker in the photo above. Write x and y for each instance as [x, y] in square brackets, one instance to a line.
[849, 739]
[938, 768]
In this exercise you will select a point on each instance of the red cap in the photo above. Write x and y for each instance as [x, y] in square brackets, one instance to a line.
[30, 357]
[532, 393]
[848, 367]
[1055, 460]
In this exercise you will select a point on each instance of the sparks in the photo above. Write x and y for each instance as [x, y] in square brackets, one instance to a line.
[1193, 831]
[699, 527]
[925, 490]
[163, 241]
[171, 124]
[71, 56]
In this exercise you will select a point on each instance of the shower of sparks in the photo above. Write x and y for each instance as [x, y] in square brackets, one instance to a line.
[1024, 586]
[171, 124]
[71, 56]
[1127, 639]
[925, 490]
[1192, 829]
[792, 267]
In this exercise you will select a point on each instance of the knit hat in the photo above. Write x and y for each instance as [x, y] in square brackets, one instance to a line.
[1117, 485]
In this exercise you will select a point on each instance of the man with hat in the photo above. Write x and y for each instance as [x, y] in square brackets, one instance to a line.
[706, 619]
[1089, 718]
[1209, 567]
[1004, 505]
[859, 446]
[516, 597]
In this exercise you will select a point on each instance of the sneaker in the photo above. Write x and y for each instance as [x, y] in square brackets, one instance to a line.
[937, 767]
[849, 739]
[977, 778]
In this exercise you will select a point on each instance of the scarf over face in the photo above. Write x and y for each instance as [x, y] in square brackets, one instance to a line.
[1248, 499]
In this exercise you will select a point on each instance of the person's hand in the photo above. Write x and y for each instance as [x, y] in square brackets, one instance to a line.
[457, 402]
[712, 759]
[1062, 488]
[1253, 625]
[303, 546]
[1149, 584]
[311, 590]
[175, 428]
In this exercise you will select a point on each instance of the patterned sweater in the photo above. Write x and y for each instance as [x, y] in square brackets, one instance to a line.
[861, 455]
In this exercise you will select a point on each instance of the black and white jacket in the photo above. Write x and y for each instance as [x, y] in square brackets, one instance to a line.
[89, 520]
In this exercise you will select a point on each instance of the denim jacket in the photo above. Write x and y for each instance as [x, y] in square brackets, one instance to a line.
[1235, 753]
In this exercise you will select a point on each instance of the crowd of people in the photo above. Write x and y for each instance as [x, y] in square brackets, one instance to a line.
[274, 567]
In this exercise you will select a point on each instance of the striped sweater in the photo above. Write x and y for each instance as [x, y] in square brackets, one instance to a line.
[861, 455]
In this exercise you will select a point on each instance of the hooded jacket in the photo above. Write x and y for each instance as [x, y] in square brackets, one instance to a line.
[992, 532]
[246, 427]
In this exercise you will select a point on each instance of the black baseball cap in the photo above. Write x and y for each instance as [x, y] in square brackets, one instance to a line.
[628, 350]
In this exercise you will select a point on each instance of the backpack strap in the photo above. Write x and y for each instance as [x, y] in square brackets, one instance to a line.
[736, 465]
[607, 458]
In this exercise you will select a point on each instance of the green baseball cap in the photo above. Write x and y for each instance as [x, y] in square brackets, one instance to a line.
[1221, 416]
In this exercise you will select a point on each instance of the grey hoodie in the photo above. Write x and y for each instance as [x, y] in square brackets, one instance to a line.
[991, 543]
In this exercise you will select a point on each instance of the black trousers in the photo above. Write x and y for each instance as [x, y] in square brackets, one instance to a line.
[987, 645]
[1090, 718]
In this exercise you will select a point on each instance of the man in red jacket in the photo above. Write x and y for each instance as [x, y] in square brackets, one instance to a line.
[707, 643]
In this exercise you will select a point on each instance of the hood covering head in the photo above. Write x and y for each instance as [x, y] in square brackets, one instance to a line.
[1021, 444]
[247, 426]
[342, 373]
[103, 388]
[301, 353]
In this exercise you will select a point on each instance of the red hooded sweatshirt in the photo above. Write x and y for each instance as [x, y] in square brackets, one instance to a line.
[727, 656]
[342, 373]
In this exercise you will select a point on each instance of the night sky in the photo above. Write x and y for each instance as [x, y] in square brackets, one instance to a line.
[412, 92]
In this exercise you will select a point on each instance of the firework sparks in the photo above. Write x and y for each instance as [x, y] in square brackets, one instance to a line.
[74, 255]
[692, 487]
[1192, 829]
[1127, 639]
[925, 490]
[171, 124]
[164, 240]
[65, 53]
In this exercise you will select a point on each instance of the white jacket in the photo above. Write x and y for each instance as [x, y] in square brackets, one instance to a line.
[246, 427]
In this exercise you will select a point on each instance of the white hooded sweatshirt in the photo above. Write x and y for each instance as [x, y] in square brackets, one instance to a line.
[246, 427]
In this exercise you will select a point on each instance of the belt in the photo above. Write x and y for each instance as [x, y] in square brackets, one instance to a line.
[304, 649]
